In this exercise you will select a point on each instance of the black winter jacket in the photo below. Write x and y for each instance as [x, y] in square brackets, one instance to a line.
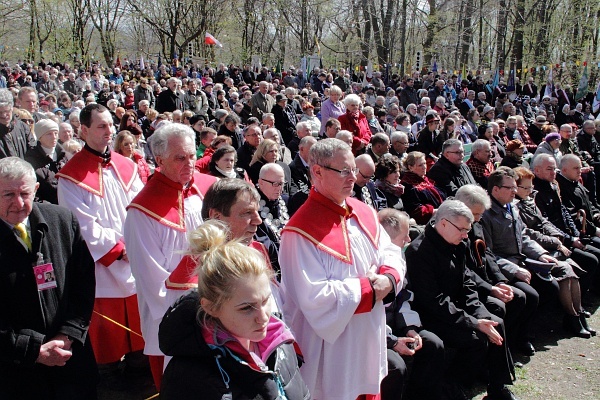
[450, 177]
[197, 371]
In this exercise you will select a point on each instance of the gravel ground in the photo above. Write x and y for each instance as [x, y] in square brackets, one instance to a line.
[564, 368]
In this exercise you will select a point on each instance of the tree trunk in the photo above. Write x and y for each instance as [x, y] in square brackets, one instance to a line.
[403, 37]
[519, 29]
[501, 35]
[432, 28]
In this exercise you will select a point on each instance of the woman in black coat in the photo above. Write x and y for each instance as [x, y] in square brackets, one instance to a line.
[47, 158]
[224, 339]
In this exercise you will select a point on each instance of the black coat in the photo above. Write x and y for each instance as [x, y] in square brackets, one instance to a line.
[549, 202]
[46, 170]
[194, 373]
[16, 139]
[445, 296]
[169, 101]
[29, 319]
[300, 176]
[575, 197]
[449, 177]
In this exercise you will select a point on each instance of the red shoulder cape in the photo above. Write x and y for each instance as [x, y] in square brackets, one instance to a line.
[183, 277]
[162, 199]
[328, 232]
[85, 170]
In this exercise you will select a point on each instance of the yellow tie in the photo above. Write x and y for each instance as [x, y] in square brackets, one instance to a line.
[22, 231]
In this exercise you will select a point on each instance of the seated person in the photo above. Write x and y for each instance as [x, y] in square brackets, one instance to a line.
[228, 320]
[387, 180]
[223, 164]
[514, 302]
[420, 198]
[449, 172]
[448, 304]
[408, 341]
[364, 188]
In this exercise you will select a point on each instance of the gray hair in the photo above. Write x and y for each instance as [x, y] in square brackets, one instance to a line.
[322, 151]
[159, 141]
[290, 90]
[473, 195]
[13, 168]
[567, 159]
[479, 144]
[336, 90]
[391, 220]
[303, 125]
[451, 209]
[267, 115]
[343, 134]
[396, 136]
[368, 111]
[540, 159]
[450, 143]
[6, 98]
[352, 99]
[307, 141]
[588, 123]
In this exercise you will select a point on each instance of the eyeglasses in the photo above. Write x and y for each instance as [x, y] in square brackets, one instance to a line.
[526, 187]
[464, 231]
[456, 152]
[366, 177]
[254, 135]
[274, 184]
[344, 172]
[512, 188]
[28, 121]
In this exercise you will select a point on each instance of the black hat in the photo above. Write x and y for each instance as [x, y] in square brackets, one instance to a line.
[279, 97]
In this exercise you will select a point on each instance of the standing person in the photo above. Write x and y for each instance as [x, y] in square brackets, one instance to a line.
[335, 275]
[170, 99]
[97, 184]
[46, 353]
[262, 102]
[168, 208]
[356, 123]
[333, 107]
[47, 158]
[447, 301]
[224, 339]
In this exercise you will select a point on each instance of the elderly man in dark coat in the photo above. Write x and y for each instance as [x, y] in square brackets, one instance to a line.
[449, 173]
[47, 286]
[446, 299]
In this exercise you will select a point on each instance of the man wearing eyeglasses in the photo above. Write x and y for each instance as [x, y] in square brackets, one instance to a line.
[449, 172]
[364, 188]
[252, 138]
[272, 208]
[16, 138]
[446, 299]
[338, 268]
[480, 162]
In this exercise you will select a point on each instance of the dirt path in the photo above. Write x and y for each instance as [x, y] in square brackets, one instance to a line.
[563, 368]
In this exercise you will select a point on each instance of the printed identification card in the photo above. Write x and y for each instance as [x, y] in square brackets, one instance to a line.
[44, 276]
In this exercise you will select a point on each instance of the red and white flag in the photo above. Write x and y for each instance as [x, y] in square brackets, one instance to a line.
[211, 41]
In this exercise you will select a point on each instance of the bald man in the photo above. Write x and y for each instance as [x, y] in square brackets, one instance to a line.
[364, 188]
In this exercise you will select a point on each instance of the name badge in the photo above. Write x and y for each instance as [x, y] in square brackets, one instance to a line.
[44, 276]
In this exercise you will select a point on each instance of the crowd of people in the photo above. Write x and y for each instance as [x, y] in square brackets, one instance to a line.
[264, 235]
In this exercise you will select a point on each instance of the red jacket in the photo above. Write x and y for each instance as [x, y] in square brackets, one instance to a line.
[360, 130]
